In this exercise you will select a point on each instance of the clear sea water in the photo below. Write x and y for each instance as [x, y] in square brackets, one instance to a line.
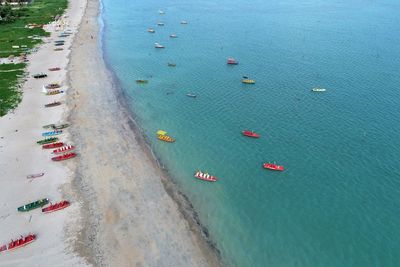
[338, 201]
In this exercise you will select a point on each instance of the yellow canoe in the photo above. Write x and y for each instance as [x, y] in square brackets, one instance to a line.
[248, 81]
[165, 138]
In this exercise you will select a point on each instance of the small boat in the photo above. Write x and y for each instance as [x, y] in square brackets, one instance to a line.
[57, 206]
[53, 104]
[318, 89]
[142, 81]
[173, 36]
[54, 69]
[161, 12]
[52, 133]
[151, 30]
[63, 149]
[39, 75]
[160, 24]
[205, 176]
[250, 134]
[55, 92]
[52, 86]
[21, 242]
[47, 140]
[48, 126]
[60, 126]
[191, 95]
[58, 49]
[157, 45]
[35, 175]
[232, 61]
[273, 166]
[184, 22]
[248, 81]
[64, 157]
[171, 65]
[34, 205]
[58, 44]
[53, 145]
[162, 135]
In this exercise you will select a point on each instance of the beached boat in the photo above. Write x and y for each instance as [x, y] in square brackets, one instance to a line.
[160, 23]
[39, 75]
[191, 95]
[21, 242]
[47, 140]
[157, 45]
[35, 175]
[205, 176]
[48, 126]
[273, 166]
[64, 157]
[52, 86]
[317, 89]
[248, 81]
[34, 205]
[162, 135]
[52, 133]
[53, 145]
[173, 36]
[58, 44]
[184, 22]
[54, 69]
[60, 126]
[58, 49]
[250, 134]
[55, 92]
[63, 149]
[57, 206]
[232, 61]
[151, 30]
[142, 81]
[171, 65]
[52, 104]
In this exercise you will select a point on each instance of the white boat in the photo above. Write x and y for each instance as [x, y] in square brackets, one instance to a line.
[183, 22]
[316, 89]
[161, 12]
[157, 45]
[151, 30]
[173, 36]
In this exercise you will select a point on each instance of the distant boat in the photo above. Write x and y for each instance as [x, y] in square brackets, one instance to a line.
[151, 30]
[161, 12]
[160, 23]
[142, 81]
[191, 95]
[171, 65]
[317, 89]
[173, 36]
[232, 61]
[273, 166]
[184, 22]
[250, 134]
[205, 176]
[157, 45]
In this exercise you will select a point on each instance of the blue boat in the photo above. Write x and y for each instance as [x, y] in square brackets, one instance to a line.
[52, 133]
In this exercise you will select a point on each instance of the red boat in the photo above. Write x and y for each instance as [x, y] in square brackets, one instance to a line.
[63, 149]
[23, 241]
[274, 167]
[53, 145]
[250, 134]
[55, 207]
[232, 61]
[64, 157]
[205, 176]
[54, 69]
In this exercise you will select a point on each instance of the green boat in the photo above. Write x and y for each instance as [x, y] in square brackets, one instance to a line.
[34, 205]
[60, 126]
[47, 140]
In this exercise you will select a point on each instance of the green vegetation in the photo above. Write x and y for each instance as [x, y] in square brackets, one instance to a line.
[14, 33]
[10, 76]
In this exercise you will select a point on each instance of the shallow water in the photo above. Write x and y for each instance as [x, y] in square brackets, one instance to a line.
[337, 203]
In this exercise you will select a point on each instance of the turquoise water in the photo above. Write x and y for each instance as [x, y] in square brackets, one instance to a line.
[338, 201]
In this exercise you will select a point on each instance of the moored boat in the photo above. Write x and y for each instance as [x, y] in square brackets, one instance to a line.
[55, 132]
[191, 95]
[160, 23]
[205, 176]
[161, 12]
[52, 104]
[184, 22]
[250, 134]
[64, 157]
[157, 45]
[173, 36]
[273, 166]
[57, 206]
[33, 205]
[248, 81]
[142, 81]
[53, 145]
[47, 140]
[63, 149]
[232, 61]
[21, 242]
[151, 30]
[35, 175]
[317, 89]
[171, 65]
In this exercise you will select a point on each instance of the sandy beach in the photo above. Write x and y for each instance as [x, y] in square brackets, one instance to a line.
[123, 211]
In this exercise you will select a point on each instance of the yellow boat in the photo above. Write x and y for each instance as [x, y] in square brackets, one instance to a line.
[162, 135]
[248, 81]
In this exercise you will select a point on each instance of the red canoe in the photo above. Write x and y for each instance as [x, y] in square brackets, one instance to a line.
[273, 167]
[205, 176]
[63, 149]
[64, 157]
[53, 145]
[23, 241]
[250, 134]
[57, 206]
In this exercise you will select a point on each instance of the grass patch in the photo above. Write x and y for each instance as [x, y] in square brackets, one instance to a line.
[10, 95]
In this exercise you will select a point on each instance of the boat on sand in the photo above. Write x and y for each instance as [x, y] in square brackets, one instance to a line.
[53, 145]
[52, 104]
[47, 140]
[33, 205]
[21, 242]
[64, 157]
[35, 175]
[57, 206]
[63, 149]
[52, 133]
[205, 176]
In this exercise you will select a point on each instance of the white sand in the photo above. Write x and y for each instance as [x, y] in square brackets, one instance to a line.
[20, 156]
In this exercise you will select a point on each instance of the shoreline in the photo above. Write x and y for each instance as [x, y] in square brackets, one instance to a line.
[98, 226]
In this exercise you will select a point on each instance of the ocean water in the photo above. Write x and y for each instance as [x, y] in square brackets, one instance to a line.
[338, 201]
